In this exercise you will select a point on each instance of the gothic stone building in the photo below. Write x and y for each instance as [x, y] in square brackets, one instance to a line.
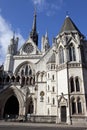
[47, 85]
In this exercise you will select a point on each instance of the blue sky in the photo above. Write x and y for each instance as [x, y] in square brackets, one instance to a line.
[17, 15]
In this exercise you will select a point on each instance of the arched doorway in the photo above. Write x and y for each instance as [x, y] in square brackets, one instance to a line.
[63, 113]
[11, 108]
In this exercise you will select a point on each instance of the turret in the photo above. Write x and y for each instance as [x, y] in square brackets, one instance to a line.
[45, 43]
[12, 50]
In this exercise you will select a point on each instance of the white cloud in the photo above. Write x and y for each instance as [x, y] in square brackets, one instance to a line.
[6, 33]
[39, 2]
[49, 6]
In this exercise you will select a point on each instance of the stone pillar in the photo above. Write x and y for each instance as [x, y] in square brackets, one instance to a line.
[59, 115]
[68, 121]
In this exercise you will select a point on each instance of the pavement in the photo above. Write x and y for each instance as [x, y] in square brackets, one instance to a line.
[4, 123]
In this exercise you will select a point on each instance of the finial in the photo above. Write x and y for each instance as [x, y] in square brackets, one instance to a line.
[35, 11]
[67, 14]
[46, 35]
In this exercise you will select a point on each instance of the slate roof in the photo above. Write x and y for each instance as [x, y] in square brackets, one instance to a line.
[52, 59]
[69, 26]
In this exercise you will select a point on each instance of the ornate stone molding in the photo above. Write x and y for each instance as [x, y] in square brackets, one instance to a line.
[69, 65]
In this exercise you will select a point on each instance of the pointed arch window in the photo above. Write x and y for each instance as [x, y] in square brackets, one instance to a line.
[8, 79]
[72, 55]
[73, 106]
[77, 84]
[79, 106]
[53, 77]
[61, 55]
[13, 79]
[18, 78]
[30, 72]
[26, 70]
[53, 101]
[22, 72]
[53, 89]
[72, 84]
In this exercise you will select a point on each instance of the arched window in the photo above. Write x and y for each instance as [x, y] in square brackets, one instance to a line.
[13, 79]
[73, 106]
[26, 70]
[30, 72]
[72, 56]
[52, 77]
[72, 84]
[39, 77]
[42, 96]
[79, 107]
[17, 78]
[42, 77]
[8, 79]
[22, 72]
[53, 89]
[77, 84]
[61, 55]
[53, 101]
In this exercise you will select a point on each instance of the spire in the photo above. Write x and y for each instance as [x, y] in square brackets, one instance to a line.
[33, 33]
[34, 22]
[46, 35]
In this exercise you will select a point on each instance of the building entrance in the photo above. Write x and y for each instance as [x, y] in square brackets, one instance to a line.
[63, 113]
[11, 109]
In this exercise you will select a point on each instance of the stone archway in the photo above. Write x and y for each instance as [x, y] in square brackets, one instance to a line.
[11, 108]
[63, 113]
[62, 108]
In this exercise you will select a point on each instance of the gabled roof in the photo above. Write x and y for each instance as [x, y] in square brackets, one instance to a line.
[69, 26]
[52, 59]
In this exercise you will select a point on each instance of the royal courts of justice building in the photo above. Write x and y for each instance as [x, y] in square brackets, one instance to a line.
[47, 85]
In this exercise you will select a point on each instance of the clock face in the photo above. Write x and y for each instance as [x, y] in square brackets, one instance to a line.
[28, 48]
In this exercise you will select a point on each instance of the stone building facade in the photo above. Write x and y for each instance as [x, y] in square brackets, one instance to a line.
[47, 85]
